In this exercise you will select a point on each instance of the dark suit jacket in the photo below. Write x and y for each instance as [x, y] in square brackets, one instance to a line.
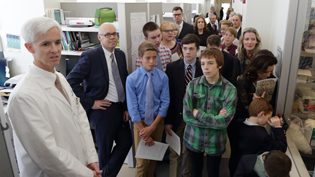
[176, 75]
[239, 33]
[92, 70]
[187, 28]
[256, 140]
[227, 68]
[211, 30]
[246, 166]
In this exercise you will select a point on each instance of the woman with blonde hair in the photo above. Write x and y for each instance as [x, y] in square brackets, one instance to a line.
[167, 30]
[249, 44]
[201, 30]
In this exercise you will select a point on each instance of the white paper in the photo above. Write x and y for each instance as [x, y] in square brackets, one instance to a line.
[202, 48]
[155, 152]
[6, 90]
[304, 72]
[137, 21]
[174, 142]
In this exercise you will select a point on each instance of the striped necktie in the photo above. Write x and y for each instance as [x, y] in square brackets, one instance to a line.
[188, 77]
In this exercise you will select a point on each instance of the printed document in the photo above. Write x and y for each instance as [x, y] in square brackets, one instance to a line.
[155, 152]
[174, 142]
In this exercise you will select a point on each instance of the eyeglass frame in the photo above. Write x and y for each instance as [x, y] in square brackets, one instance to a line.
[177, 15]
[108, 35]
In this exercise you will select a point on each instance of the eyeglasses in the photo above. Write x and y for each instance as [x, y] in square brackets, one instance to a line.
[108, 35]
[168, 31]
[177, 15]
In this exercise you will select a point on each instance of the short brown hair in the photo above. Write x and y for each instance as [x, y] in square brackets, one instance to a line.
[226, 22]
[258, 105]
[191, 38]
[213, 53]
[277, 164]
[177, 8]
[214, 40]
[146, 46]
[232, 31]
[148, 27]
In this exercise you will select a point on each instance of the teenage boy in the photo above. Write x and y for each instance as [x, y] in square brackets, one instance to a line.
[152, 34]
[225, 24]
[180, 72]
[214, 42]
[209, 106]
[271, 164]
[147, 99]
[253, 137]
[229, 36]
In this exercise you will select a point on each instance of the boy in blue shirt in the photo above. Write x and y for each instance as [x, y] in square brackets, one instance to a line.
[147, 100]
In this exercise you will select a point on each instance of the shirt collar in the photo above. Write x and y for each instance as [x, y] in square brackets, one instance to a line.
[47, 78]
[181, 25]
[249, 123]
[205, 82]
[187, 64]
[108, 52]
[144, 72]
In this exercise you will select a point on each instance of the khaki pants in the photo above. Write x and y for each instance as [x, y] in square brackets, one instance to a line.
[176, 161]
[144, 167]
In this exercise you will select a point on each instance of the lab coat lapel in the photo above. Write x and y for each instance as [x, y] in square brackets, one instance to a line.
[58, 95]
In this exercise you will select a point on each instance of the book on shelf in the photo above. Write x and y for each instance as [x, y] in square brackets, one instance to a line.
[266, 85]
[56, 14]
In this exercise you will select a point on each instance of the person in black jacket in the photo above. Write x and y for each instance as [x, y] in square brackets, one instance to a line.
[201, 30]
[259, 67]
[215, 41]
[177, 73]
[184, 28]
[221, 13]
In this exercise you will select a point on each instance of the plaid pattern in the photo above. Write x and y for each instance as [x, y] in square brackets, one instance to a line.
[165, 56]
[207, 131]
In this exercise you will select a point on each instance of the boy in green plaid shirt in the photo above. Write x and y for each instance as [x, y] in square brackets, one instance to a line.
[209, 106]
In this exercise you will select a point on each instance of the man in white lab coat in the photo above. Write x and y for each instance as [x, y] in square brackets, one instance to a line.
[50, 129]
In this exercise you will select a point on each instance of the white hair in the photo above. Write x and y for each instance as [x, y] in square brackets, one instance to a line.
[212, 15]
[38, 25]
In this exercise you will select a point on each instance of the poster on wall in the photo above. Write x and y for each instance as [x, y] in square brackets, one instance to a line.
[137, 21]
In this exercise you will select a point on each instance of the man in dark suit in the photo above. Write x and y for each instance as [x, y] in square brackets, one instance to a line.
[237, 21]
[226, 70]
[211, 25]
[103, 72]
[184, 28]
[179, 77]
[221, 13]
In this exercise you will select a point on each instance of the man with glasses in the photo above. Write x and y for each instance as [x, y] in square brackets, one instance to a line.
[184, 28]
[103, 72]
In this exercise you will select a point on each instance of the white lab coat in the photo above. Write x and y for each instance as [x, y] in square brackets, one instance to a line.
[51, 136]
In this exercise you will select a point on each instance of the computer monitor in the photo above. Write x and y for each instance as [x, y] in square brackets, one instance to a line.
[3, 64]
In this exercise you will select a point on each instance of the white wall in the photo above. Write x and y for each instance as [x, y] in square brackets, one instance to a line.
[11, 22]
[238, 6]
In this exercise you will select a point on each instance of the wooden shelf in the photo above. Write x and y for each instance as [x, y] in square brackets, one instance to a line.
[78, 29]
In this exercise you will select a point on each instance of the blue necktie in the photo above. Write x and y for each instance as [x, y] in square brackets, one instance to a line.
[118, 83]
[149, 112]
[159, 62]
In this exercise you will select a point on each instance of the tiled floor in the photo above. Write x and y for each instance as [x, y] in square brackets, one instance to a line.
[162, 170]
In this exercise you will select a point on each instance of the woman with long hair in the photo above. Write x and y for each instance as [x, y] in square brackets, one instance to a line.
[249, 44]
[201, 30]
[260, 67]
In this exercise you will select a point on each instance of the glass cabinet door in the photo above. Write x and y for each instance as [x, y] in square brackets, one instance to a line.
[300, 100]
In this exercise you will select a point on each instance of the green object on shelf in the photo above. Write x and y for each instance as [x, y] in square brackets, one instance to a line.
[118, 43]
[104, 14]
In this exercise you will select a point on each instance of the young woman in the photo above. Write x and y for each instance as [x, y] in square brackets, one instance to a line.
[167, 31]
[201, 30]
[249, 44]
[259, 67]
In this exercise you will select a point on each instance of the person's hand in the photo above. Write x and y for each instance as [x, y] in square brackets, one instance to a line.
[126, 116]
[146, 132]
[255, 96]
[149, 141]
[168, 129]
[274, 121]
[195, 111]
[226, 51]
[222, 112]
[94, 168]
[101, 104]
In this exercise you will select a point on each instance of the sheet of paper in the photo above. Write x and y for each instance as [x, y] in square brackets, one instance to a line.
[174, 142]
[155, 152]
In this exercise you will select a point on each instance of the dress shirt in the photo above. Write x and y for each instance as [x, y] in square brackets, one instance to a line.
[238, 29]
[193, 67]
[165, 57]
[250, 123]
[180, 27]
[112, 94]
[136, 93]
[207, 131]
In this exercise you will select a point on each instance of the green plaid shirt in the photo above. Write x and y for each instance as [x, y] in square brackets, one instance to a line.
[207, 131]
